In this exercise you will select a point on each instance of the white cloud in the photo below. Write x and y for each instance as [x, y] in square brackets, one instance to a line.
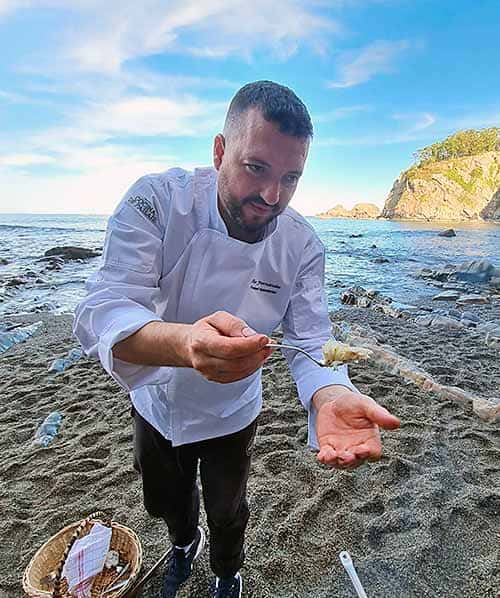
[143, 115]
[96, 191]
[420, 121]
[425, 121]
[106, 175]
[13, 97]
[340, 113]
[372, 140]
[127, 30]
[363, 65]
[475, 121]
[23, 160]
[88, 131]
[7, 6]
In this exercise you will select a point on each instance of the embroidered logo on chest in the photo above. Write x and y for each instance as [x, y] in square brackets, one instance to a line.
[264, 287]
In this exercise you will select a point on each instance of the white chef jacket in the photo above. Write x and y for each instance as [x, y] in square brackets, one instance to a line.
[168, 257]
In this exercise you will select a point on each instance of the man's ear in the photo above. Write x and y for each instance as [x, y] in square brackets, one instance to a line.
[219, 147]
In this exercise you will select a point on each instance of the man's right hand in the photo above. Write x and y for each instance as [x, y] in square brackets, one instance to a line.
[224, 349]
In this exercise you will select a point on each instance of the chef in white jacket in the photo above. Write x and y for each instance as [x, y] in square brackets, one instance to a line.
[199, 268]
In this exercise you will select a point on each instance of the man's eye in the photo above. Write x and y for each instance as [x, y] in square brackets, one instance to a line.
[292, 179]
[254, 168]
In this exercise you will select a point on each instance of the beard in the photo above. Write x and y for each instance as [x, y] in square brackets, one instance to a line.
[233, 209]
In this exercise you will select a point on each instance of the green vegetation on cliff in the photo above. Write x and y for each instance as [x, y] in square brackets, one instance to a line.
[459, 145]
[459, 188]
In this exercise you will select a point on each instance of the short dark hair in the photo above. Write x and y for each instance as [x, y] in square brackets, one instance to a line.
[277, 104]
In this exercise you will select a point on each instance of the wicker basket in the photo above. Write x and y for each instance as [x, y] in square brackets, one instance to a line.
[50, 558]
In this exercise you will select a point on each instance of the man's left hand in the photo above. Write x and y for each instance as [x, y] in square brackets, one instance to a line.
[347, 426]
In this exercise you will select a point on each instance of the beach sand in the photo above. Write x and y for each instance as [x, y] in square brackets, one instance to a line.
[422, 522]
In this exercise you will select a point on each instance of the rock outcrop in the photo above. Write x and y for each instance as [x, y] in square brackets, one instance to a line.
[465, 188]
[71, 253]
[359, 211]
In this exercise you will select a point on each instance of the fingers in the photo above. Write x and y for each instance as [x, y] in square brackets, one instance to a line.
[229, 325]
[333, 459]
[233, 347]
[223, 347]
[380, 416]
[338, 459]
[363, 452]
[225, 370]
[352, 458]
[327, 455]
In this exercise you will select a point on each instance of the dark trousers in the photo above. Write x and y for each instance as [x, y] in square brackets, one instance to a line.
[171, 492]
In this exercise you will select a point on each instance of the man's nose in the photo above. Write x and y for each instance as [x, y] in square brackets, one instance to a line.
[271, 194]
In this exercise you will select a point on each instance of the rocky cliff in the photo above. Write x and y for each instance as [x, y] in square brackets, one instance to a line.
[466, 188]
[360, 210]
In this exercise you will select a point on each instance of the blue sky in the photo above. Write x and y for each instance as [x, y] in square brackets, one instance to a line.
[94, 94]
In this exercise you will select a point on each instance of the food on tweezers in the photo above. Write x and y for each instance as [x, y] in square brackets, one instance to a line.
[336, 353]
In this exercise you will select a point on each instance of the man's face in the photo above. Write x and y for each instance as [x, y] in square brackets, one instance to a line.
[259, 168]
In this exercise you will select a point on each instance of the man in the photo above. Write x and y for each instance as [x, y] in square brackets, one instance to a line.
[198, 269]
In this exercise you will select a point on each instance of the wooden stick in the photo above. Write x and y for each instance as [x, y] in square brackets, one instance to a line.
[133, 592]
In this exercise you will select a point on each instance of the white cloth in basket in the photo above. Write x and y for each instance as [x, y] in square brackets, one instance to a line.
[86, 560]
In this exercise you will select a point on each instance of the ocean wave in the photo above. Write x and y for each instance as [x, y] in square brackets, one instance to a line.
[51, 228]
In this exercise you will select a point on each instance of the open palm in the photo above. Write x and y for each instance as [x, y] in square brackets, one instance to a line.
[348, 430]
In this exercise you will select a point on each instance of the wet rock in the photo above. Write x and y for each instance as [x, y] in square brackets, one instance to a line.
[389, 310]
[441, 275]
[14, 282]
[348, 298]
[495, 282]
[380, 260]
[447, 233]
[472, 300]
[363, 302]
[355, 236]
[54, 266]
[374, 246]
[424, 320]
[362, 298]
[52, 259]
[492, 339]
[446, 296]
[411, 309]
[439, 321]
[476, 271]
[471, 316]
[448, 323]
[72, 253]
[487, 327]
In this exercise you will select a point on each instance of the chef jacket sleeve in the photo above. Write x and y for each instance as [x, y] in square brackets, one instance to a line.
[307, 325]
[123, 293]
